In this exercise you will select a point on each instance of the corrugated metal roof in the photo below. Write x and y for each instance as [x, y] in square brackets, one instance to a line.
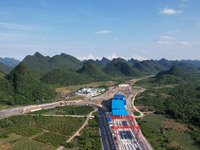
[119, 112]
[118, 97]
[118, 104]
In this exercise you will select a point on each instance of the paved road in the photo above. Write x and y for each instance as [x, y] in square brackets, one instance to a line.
[106, 136]
[11, 112]
[25, 109]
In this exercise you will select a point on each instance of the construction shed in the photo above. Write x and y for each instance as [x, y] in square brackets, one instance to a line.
[118, 97]
[118, 104]
[122, 112]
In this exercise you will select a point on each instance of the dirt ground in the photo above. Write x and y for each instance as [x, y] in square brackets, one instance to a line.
[164, 95]
[63, 91]
[73, 88]
[5, 147]
[171, 123]
[144, 108]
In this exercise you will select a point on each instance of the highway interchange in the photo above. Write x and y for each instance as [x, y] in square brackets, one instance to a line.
[126, 138]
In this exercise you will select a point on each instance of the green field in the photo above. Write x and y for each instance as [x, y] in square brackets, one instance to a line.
[182, 139]
[161, 138]
[153, 121]
[41, 132]
[89, 137]
[17, 142]
[66, 110]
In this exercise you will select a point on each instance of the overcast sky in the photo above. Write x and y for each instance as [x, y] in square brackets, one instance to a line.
[140, 29]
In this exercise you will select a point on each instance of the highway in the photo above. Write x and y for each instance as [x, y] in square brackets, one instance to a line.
[126, 137]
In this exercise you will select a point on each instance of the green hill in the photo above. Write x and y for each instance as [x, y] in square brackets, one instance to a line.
[152, 66]
[5, 68]
[173, 75]
[121, 68]
[64, 77]
[132, 61]
[185, 66]
[149, 66]
[104, 61]
[38, 63]
[42, 64]
[6, 92]
[165, 63]
[27, 88]
[91, 70]
[64, 61]
[140, 67]
[2, 74]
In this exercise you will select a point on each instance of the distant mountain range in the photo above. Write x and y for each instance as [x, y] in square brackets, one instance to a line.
[25, 83]
[6, 64]
[11, 62]
[96, 70]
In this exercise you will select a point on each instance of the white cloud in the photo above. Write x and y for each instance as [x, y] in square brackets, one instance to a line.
[164, 42]
[112, 56]
[103, 32]
[170, 32]
[184, 43]
[115, 39]
[170, 11]
[17, 26]
[167, 38]
[138, 57]
[90, 56]
[173, 31]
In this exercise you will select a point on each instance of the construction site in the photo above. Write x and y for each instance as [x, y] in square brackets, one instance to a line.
[125, 132]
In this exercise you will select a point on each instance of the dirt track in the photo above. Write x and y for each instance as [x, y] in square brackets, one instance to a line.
[77, 132]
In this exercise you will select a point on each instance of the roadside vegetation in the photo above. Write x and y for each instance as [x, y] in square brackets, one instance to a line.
[89, 137]
[43, 132]
[164, 137]
[177, 100]
[66, 110]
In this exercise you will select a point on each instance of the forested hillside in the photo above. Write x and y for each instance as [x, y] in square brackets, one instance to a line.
[5, 68]
[64, 77]
[173, 76]
[174, 94]
[91, 70]
[21, 86]
[43, 64]
[120, 68]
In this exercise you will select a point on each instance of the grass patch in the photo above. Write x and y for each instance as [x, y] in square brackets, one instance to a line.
[182, 139]
[136, 113]
[17, 142]
[66, 110]
[153, 121]
[161, 138]
[89, 137]
[51, 138]
[58, 128]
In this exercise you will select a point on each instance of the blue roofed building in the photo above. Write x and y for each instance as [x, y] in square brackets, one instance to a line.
[121, 112]
[118, 97]
[118, 106]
